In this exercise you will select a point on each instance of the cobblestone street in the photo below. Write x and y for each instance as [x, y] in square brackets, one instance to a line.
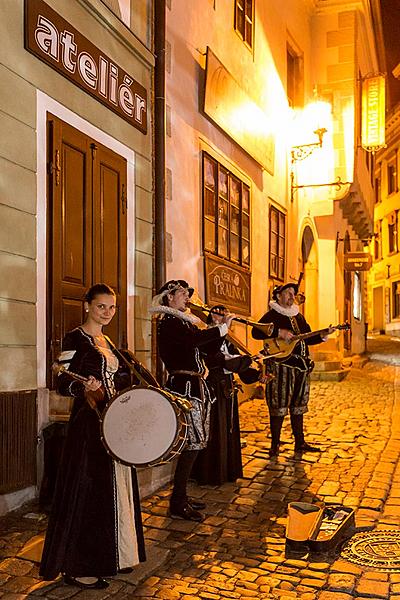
[239, 550]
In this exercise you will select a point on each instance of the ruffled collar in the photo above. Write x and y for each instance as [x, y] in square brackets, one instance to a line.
[183, 316]
[288, 312]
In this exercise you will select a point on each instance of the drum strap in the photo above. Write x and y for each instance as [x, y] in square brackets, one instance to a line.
[193, 374]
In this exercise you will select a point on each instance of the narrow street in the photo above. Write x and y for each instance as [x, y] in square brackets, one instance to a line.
[239, 550]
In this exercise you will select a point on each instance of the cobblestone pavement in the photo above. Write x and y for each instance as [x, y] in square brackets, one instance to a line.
[239, 550]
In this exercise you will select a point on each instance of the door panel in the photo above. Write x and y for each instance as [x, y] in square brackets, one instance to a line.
[86, 230]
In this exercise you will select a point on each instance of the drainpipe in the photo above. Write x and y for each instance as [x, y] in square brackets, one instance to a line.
[159, 160]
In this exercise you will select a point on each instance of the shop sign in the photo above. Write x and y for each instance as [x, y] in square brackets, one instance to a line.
[232, 109]
[57, 43]
[357, 261]
[227, 284]
[373, 113]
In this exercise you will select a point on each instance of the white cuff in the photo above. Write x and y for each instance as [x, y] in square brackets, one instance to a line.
[223, 329]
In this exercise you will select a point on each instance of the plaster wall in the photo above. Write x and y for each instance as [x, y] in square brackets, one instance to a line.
[23, 74]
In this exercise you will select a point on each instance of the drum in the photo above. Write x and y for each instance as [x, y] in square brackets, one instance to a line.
[143, 427]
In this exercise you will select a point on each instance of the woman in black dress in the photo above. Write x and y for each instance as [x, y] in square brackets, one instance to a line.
[95, 527]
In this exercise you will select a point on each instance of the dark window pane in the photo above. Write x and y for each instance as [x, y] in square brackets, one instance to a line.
[245, 226]
[248, 33]
[209, 236]
[245, 199]
[222, 242]
[245, 252]
[234, 247]
[222, 212]
[209, 204]
[223, 183]
[235, 220]
[249, 9]
[234, 192]
[209, 173]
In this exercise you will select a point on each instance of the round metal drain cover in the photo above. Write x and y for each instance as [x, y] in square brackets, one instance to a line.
[377, 549]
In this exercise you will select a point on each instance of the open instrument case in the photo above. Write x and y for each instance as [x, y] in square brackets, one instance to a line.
[317, 528]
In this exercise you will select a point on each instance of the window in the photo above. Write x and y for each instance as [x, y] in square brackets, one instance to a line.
[226, 213]
[277, 239]
[294, 77]
[244, 20]
[392, 176]
[377, 189]
[378, 240]
[392, 232]
[396, 299]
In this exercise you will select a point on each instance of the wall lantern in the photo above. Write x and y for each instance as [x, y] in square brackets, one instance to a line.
[304, 151]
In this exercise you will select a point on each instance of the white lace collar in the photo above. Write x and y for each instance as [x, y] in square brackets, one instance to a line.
[183, 316]
[288, 312]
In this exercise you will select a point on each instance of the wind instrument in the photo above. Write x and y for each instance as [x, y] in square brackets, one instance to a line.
[265, 328]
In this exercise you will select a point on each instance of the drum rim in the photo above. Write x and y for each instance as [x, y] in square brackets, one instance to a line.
[176, 409]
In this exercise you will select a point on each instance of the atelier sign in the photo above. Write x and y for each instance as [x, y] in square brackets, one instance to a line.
[357, 261]
[228, 285]
[57, 43]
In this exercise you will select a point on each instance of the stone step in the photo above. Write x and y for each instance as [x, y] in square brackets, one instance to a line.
[328, 365]
[337, 375]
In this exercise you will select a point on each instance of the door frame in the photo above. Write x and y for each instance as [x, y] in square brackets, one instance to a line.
[44, 105]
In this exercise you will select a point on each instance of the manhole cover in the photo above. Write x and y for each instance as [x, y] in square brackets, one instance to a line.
[377, 549]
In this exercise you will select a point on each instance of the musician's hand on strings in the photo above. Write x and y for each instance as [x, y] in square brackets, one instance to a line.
[285, 334]
[329, 330]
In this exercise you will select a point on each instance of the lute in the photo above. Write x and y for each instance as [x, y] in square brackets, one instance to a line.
[279, 348]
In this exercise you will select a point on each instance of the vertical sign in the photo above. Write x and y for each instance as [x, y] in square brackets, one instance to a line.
[373, 113]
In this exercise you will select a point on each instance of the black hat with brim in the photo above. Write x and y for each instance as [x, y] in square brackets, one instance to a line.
[280, 288]
[174, 284]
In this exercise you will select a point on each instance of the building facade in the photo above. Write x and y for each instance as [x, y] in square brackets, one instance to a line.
[76, 200]
[266, 178]
[384, 277]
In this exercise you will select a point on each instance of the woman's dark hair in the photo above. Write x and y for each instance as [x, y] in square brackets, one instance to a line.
[96, 290]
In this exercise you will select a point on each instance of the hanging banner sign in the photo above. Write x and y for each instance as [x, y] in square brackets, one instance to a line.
[57, 43]
[357, 261]
[373, 113]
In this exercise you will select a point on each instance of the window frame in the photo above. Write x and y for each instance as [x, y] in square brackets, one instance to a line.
[393, 245]
[392, 176]
[395, 304]
[276, 273]
[241, 5]
[378, 254]
[214, 197]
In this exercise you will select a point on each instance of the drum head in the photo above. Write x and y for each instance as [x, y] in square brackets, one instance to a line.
[140, 426]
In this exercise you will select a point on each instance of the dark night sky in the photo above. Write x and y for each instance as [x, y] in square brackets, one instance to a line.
[391, 31]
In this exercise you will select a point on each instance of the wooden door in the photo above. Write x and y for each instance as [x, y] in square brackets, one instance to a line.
[86, 229]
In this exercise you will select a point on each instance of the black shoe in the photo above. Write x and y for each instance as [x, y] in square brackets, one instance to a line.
[274, 450]
[126, 570]
[100, 584]
[196, 504]
[186, 512]
[306, 448]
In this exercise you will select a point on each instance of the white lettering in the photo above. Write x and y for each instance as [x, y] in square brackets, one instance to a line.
[103, 76]
[113, 83]
[140, 106]
[87, 69]
[46, 35]
[126, 96]
[67, 40]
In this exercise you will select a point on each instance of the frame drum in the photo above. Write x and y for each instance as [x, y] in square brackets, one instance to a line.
[143, 427]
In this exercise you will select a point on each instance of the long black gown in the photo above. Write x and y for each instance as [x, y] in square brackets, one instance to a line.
[95, 526]
[221, 460]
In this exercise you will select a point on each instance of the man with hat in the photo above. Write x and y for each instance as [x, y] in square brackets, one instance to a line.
[182, 345]
[289, 390]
